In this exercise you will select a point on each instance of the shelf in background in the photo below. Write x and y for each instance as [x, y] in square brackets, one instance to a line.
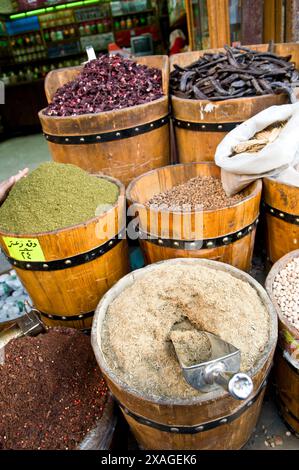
[119, 15]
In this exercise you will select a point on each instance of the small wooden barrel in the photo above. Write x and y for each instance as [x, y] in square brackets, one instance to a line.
[286, 364]
[225, 235]
[200, 125]
[210, 421]
[123, 143]
[281, 205]
[75, 267]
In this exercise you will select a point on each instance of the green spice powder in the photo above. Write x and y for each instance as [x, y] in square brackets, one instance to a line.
[55, 196]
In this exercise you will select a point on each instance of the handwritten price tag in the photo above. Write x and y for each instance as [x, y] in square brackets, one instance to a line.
[24, 249]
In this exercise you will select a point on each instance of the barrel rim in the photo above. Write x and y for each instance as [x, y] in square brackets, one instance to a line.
[255, 185]
[117, 113]
[275, 181]
[219, 49]
[219, 103]
[128, 280]
[117, 204]
[276, 268]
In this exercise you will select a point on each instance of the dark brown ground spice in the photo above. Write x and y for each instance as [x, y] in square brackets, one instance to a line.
[51, 391]
[204, 191]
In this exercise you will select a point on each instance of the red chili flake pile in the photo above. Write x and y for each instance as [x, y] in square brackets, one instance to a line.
[52, 392]
[107, 83]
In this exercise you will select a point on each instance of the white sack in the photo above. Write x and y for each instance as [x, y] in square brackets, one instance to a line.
[277, 159]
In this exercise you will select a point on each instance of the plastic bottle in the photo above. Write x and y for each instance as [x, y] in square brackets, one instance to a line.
[81, 29]
[100, 27]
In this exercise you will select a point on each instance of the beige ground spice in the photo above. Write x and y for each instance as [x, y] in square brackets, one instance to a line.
[191, 345]
[136, 331]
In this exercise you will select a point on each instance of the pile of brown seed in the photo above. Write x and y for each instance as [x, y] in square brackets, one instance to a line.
[206, 192]
[286, 292]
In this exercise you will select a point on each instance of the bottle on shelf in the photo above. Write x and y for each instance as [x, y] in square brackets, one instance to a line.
[117, 25]
[53, 35]
[93, 27]
[100, 27]
[87, 29]
[129, 23]
[81, 29]
[72, 31]
[122, 23]
[142, 20]
[107, 25]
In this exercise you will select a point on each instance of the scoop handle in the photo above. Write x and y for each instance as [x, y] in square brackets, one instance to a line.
[239, 385]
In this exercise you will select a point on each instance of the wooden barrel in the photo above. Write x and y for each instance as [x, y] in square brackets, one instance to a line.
[123, 143]
[200, 125]
[281, 206]
[225, 235]
[67, 271]
[213, 420]
[286, 364]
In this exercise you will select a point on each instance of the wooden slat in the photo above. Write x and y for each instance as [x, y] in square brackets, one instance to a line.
[252, 22]
[292, 27]
[269, 20]
[190, 24]
[219, 27]
[279, 21]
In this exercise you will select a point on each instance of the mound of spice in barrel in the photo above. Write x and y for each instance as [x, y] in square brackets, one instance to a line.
[286, 292]
[202, 192]
[173, 304]
[105, 84]
[55, 196]
[235, 73]
[52, 393]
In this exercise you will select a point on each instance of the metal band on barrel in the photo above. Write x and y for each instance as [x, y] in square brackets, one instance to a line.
[79, 316]
[290, 218]
[205, 244]
[108, 136]
[71, 261]
[205, 126]
[197, 428]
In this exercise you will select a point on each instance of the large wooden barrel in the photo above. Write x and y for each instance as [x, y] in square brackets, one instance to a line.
[200, 125]
[281, 206]
[225, 235]
[71, 268]
[286, 364]
[210, 421]
[123, 143]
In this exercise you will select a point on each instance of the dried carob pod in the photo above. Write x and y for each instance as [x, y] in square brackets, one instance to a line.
[237, 72]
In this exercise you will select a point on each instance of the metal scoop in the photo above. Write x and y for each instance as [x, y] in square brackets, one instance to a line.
[28, 324]
[221, 370]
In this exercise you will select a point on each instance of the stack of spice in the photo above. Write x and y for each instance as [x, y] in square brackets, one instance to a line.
[238, 72]
[52, 393]
[105, 84]
[55, 196]
[137, 347]
[286, 292]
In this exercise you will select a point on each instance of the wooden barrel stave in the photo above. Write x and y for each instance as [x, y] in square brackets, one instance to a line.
[287, 383]
[200, 145]
[211, 225]
[286, 374]
[282, 236]
[198, 411]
